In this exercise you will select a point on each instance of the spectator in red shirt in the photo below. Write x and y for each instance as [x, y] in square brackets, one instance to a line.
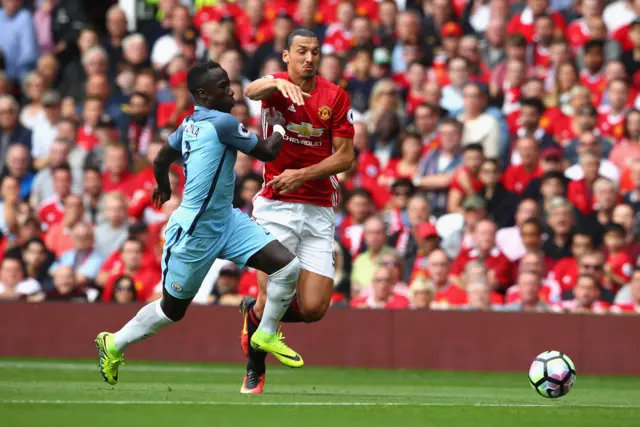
[534, 262]
[578, 31]
[52, 210]
[172, 113]
[523, 23]
[592, 264]
[131, 265]
[624, 215]
[612, 117]
[93, 109]
[407, 165]
[138, 125]
[351, 229]
[580, 192]
[382, 295]
[586, 298]
[116, 176]
[484, 248]
[466, 180]
[565, 272]
[619, 265]
[447, 293]
[592, 76]
[517, 177]
[338, 37]
[59, 238]
[470, 50]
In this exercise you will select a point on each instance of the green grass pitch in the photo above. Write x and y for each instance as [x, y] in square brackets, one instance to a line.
[42, 393]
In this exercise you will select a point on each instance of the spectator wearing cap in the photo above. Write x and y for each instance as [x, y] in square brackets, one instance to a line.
[130, 264]
[17, 40]
[225, 291]
[500, 269]
[501, 203]
[523, 23]
[17, 165]
[510, 240]
[561, 222]
[11, 131]
[174, 112]
[427, 240]
[456, 229]
[365, 263]
[83, 256]
[382, 295]
[450, 35]
[13, 285]
[436, 170]
[46, 129]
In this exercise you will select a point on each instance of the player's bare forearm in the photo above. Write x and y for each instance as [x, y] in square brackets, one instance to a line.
[268, 149]
[161, 164]
[261, 89]
[341, 160]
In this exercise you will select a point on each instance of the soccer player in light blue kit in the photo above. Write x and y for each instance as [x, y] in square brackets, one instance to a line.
[206, 226]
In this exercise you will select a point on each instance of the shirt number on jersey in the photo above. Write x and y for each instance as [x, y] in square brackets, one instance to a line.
[185, 156]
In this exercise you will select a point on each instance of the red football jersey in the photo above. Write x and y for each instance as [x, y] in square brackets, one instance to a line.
[621, 265]
[516, 178]
[577, 33]
[580, 196]
[308, 139]
[565, 273]
[611, 125]
[496, 261]
[523, 23]
[571, 305]
[395, 302]
[627, 308]
[595, 83]
[51, 212]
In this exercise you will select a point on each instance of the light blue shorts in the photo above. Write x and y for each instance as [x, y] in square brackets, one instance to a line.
[186, 259]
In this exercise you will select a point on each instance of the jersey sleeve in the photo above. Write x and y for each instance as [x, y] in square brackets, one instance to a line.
[233, 133]
[175, 139]
[342, 119]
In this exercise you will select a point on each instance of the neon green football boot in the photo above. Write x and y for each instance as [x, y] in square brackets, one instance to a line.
[274, 344]
[110, 357]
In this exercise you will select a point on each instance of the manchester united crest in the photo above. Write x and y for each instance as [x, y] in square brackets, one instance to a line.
[324, 112]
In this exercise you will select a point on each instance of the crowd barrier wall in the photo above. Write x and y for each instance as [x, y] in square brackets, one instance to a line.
[442, 340]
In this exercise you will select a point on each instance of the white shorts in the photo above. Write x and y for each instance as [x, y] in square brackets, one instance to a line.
[306, 230]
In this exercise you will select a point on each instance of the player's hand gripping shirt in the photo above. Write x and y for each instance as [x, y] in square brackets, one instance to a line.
[310, 129]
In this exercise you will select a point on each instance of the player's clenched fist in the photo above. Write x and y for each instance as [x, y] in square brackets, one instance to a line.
[274, 117]
[159, 197]
[291, 91]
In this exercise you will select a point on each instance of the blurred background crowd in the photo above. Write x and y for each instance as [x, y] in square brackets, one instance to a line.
[498, 146]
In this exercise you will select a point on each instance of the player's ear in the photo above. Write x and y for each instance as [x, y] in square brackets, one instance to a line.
[285, 56]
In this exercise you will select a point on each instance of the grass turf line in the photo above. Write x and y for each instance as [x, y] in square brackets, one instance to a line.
[71, 393]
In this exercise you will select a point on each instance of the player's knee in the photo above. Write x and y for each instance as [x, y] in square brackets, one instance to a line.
[314, 312]
[291, 271]
[175, 312]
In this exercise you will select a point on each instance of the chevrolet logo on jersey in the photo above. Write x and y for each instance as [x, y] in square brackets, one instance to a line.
[305, 130]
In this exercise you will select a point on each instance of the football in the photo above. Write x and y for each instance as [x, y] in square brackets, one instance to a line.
[552, 374]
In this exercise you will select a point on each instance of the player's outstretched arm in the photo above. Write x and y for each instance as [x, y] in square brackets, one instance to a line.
[265, 87]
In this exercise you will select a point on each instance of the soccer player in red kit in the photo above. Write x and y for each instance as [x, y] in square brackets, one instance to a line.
[301, 189]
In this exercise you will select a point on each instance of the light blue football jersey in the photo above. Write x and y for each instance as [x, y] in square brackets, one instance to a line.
[209, 141]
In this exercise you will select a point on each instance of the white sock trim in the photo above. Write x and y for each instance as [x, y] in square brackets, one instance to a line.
[159, 311]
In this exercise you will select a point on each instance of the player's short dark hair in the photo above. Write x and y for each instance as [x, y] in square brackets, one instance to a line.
[197, 75]
[474, 146]
[612, 227]
[534, 103]
[302, 32]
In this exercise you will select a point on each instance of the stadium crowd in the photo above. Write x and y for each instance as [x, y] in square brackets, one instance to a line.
[498, 147]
